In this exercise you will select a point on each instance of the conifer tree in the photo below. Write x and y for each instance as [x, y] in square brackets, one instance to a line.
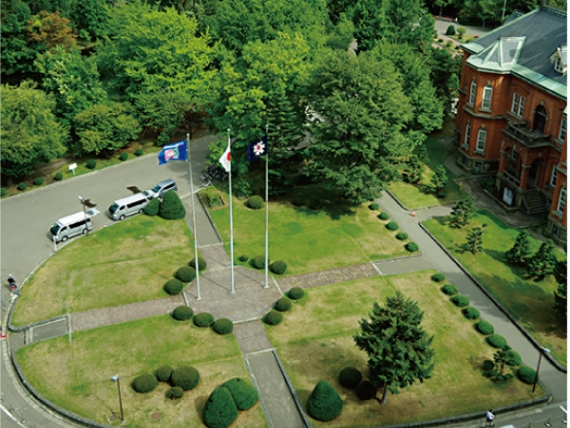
[475, 239]
[399, 349]
[438, 181]
[521, 249]
[505, 356]
[542, 262]
[461, 213]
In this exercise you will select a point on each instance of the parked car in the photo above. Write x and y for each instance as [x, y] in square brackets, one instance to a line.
[160, 189]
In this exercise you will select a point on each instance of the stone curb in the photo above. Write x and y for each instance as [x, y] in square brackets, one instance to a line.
[490, 297]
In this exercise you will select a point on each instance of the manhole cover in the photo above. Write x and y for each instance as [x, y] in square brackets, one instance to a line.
[155, 416]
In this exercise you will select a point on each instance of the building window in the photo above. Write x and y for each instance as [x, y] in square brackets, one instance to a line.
[514, 153]
[472, 92]
[467, 135]
[481, 139]
[487, 95]
[562, 133]
[553, 177]
[517, 106]
[539, 122]
[561, 201]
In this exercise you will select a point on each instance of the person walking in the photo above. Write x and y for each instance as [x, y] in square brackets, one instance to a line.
[489, 419]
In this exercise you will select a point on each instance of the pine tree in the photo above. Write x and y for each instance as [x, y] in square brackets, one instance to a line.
[521, 249]
[413, 170]
[560, 301]
[542, 262]
[399, 349]
[438, 181]
[475, 239]
[461, 213]
[505, 356]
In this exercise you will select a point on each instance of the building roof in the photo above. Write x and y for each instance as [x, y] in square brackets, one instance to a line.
[523, 46]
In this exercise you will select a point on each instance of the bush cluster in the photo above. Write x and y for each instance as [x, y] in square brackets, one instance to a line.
[173, 287]
[258, 262]
[324, 403]
[185, 273]
[220, 410]
[201, 263]
[383, 216]
[255, 202]
[296, 293]
[392, 225]
[412, 247]
[3, 192]
[278, 267]
[203, 319]
[485, 327]
[186, 377]
[139, 152]
[402, 236]
[38, 181]
[22, 186]
[349, 377]
[182, 313]
[152, 207]
[163, 373]
[526, 374]
[471, 313]
[174, 393]
[438, 277]
[273, 317]
[460, 301]
[144, 383]
[171, 207]
[91, 164]
[123, 156]
[374, 206]
[223, 326]
[244, 394]
[283, 304]
[449, 289]
[496, 341]
[58, 176]
[365, 390]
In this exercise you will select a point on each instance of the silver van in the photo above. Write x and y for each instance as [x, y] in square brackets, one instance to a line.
[161, 188]
[72, 225]
[130, 205]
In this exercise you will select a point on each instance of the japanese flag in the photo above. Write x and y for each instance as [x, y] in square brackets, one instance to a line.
[225, 160]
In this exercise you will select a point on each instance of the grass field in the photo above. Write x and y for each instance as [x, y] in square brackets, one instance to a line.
[530, 302]
[125, 263]
[70, 374]
[412, 195]
[307, 240]
[315, 343]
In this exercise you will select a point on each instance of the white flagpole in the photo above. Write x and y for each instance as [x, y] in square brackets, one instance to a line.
[231, 217]
[266, 207]
[196, 266]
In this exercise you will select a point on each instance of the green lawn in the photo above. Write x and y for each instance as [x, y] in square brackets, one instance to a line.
[125, 263]
[530, 302]
[315, 343]
[412, 196]
[308, 241]
[75, 374]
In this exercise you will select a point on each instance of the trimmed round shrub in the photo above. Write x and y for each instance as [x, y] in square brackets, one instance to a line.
[171, 207]
[38, 181]
[3, 192]
[123, 156]
[144, 383]
[174, 393]
[186, 274]
[296, 293]
[449, 289]
[203, 319]
[223, 326]
[139, 152]
[182, 313]
[283, 304]
[383, 216]
[392, 226]
[450, 31]
[152, 207]
[496, 341]
[471, 313]
[220, 410]
[58, 176]
[488, 365]
[273, 317]
[402, 236]
[186, 377]
[244, 394]
[258, 262]
[243, 258]
[349, 377]
[460, 301]
[438, 277]
[255, 202]
[412, 247]
[201, 263]
[91, 164]
[526, 374]
[22, 186]
[365, 390]
[374, 206]
[163, 373]
[514, 358]
[485, 327]
[324, 403]
[173, 287]
[278, 267]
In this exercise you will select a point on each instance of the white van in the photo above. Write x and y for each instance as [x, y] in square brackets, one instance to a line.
[70, 226]
[128, 206]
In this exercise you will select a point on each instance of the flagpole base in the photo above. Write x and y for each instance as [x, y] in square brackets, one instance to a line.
[266, 286]
[198, 298]
[232, 292]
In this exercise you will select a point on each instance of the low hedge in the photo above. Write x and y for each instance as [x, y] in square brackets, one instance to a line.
[203, 319]
[278, 267]
[460, 300]
[349, 377]
[243, 258]
[438, 277]
[163, 373]
[449, 289]
[173, 287]
[255, 202]
[526, 374]
[139, 152]
[22, 186]
[365, 390]
[201, 263]
[186, 377]
[144, 383]
[174, 393]
[182, 313]
[185, 274]
[374, 206]
[485, 327]
[58, 176]
[392, 225]
[123, 156]
[471, 313]
[324, 403]
[412, 247]
[152, 208]
[402, 236]
[223, 326]
[296, 293]
[244, 394]
[283, 304]
[38, 181]
[258, 262]
[383, 216]
[91, 164]
[496, 341]
[273, 317]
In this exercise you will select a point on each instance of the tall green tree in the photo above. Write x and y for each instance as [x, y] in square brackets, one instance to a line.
[520, 251]
[444, 73]
[30, 134]
[475, 239]
[543, 261]
[461, 213]
[399, 349]
[438, 181]
[364, 114]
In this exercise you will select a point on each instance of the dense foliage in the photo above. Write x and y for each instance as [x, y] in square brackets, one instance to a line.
[244, 394]
[220, 410]
[324, 403]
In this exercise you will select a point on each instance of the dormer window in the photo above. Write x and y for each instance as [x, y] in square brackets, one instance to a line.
[559, 59]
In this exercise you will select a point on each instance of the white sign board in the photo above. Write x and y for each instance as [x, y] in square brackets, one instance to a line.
[72, 168]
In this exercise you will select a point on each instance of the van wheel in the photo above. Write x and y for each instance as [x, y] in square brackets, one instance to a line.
[84, 231]
[122, 217]
[141, 211]
[64, 239]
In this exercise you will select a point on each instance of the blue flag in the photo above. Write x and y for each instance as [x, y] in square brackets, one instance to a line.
[174, 151]
[255, 150]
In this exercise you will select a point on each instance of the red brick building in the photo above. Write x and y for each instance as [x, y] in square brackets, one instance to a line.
[511, 116]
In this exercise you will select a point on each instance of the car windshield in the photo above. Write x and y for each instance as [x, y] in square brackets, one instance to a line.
[156, 189]
[55, 229]
[113, 208]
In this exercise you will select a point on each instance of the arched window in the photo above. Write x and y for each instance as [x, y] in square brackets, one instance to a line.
[539, 122]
